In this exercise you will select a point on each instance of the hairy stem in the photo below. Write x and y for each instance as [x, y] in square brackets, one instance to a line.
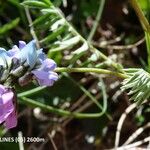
[91, 70]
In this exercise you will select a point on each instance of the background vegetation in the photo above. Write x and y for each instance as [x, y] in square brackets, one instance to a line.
[79, 34]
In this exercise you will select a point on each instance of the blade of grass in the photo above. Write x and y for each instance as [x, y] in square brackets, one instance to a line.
[98, 17]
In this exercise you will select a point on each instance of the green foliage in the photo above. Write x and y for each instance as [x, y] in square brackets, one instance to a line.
[138, 83]
[36, 4]
[5, 28]
[68, 48]
[13, 23]
[59, 35]
[145, 6]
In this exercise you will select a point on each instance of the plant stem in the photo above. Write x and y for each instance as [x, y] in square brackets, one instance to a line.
[141, 16]
[145, 25]
[31, 92]
[91, 70]
[33, 103]
[63, 69]
[92, 98]
[147, 37]
[31, 27]
[98, 17]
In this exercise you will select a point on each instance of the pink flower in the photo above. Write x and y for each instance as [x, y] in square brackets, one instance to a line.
[7, 108]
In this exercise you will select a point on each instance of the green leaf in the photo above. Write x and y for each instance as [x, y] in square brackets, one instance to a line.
[48, 2]
[5, 28]
[83, 48]
[36, 4]
[40, 20]
[51, 10]
[66, 44]
[54, 34]
[144, 4]
[139, 85]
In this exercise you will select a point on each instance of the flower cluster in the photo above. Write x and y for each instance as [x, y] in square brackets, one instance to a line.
[21, 65]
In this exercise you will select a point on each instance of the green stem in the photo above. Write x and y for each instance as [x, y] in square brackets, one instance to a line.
[92, 98]
[63, 69]
[145, 25]
[61, 112]
[91, 70]
[31, 92]
[140, 14]
[147, 37]
[44, 107]
[98, 17]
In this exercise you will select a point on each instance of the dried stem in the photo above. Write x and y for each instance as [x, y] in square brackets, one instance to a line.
[120, 123]
[31, 27]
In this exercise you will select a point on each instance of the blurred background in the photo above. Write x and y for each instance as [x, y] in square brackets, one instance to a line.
[120, 36]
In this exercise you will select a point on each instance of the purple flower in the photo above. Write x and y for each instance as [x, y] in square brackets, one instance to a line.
[7, 108]
[45, 74]
[26, 61]
[26, 53]
[22, 64]
[12, 53]
[15, 50]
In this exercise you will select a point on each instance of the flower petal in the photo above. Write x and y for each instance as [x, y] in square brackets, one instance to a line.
[28, 54]
[41, 74]
[22, 44]
[13, 52]
[41, 55]
[11, 120]
[48, 65]
[53, 75]
[45, 78]
[5, 110]
[5, 60]
[2, 89]
[6, 103]
[8, 96]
